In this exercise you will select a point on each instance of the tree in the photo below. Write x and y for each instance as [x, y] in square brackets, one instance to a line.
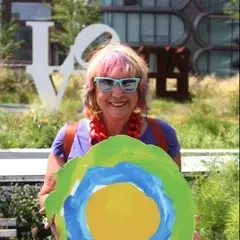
[232, 9]
[70, 17]
[8, 30]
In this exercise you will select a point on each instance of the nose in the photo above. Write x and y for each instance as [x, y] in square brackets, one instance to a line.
[116, 91]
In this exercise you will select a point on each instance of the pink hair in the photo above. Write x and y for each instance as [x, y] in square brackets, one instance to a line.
[117, 62]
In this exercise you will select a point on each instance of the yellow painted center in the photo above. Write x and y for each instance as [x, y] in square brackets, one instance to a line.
[121, 211]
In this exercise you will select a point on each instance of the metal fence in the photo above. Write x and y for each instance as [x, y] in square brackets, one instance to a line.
[29, 165]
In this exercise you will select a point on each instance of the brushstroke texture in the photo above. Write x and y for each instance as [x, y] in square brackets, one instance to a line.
[108, 154]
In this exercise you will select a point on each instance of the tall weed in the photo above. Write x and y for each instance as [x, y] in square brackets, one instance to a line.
[217, 200]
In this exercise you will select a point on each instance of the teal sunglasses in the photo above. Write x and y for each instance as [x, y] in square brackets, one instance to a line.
[106, 84]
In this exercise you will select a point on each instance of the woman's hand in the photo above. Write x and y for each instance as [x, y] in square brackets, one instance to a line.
[196, 235]
[48, 224]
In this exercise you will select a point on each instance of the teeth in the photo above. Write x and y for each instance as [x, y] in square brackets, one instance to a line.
[118, 104]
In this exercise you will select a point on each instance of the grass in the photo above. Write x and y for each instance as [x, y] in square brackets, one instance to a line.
[209, 120]
[217, 202]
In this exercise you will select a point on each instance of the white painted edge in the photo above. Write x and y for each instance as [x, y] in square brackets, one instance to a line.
[8, 233]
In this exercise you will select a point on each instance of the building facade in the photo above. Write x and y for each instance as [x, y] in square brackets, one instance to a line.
[200, 25]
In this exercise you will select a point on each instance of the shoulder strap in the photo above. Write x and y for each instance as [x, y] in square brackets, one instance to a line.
[158, 134]
[69, 137]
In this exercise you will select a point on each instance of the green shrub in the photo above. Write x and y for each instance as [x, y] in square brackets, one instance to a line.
[27, 131]
[217, 202]
[17, 87]
[21, 202]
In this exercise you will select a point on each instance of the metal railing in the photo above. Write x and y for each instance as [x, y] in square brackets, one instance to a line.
[29, 165]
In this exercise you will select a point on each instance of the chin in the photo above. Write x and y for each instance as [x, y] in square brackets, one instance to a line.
[120, 116]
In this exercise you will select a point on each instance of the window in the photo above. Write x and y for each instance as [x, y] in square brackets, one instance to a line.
[131, 2]
[24, 33]
[105, 3]
[119, 23]
[31, 11]
[133, 23]
[152, 63]
[212, 4]
[22, 55]
[218, 30]
[172, 4]
[146, 27]
[169, 28]
[169, 3]
[222, 63]
[148, 3]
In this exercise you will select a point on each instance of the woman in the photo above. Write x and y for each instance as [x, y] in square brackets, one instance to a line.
[115, 102]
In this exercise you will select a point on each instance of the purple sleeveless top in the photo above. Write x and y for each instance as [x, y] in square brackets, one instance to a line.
[81, 144]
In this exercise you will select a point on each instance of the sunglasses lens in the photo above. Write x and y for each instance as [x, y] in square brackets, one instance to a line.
[105, 84]
[129, 85]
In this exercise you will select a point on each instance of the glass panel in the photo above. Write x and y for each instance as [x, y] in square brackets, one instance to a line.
[133, 23]
[148, 3]
[104, 2]
[100, 2]
[203, 30]
[169, 3]
[119, 24]
[152, 63]
[22, 55]
[176, 3]
[131, 2]
[235, 32]
[31, 11]
[220, 63]
[202, 63]
[219, 31]
[24, 33]
[147, 28]
[118, 2]
[235, 62]
[162, 28]
[108, 18]
[163, 3]
[214, 4]
[177, 28]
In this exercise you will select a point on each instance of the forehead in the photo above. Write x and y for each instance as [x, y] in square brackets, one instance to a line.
[116, 66]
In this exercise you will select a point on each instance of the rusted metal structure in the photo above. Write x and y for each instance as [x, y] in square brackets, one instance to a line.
[171, 63]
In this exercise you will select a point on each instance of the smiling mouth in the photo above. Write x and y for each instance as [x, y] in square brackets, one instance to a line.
[117, 104]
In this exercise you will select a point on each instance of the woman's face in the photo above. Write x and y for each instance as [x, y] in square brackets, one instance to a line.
[116, 104]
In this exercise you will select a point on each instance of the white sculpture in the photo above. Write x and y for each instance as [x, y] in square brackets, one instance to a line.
[40, 69]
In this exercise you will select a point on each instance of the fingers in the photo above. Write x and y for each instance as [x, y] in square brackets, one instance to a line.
[42, 211]
[197, 218]
[45, 220]
[46, 223]
[197, 236]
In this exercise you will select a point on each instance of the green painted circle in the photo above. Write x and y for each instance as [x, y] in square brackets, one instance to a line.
[112, 151]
